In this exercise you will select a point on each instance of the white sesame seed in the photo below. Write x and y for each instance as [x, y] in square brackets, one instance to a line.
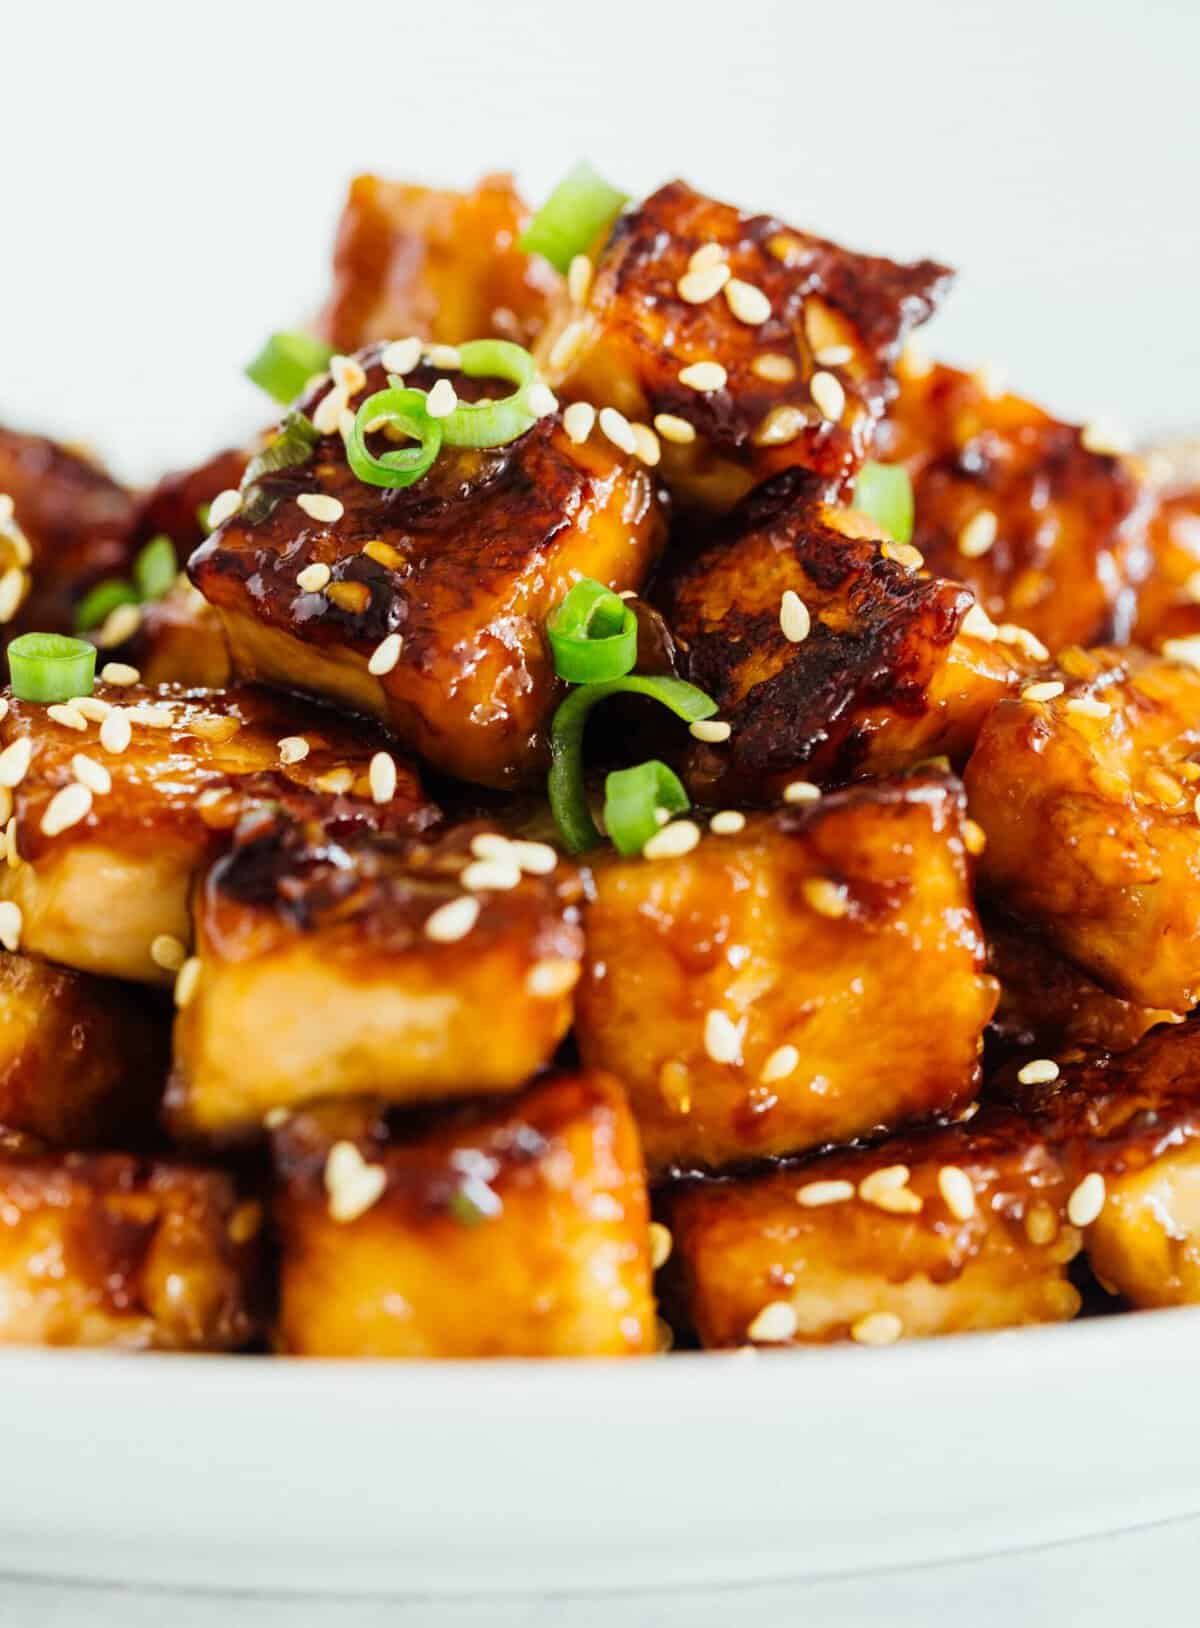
[579, 420]
[974, 837]
[401, 356]
[877, 1328]
[1050, 690]
[351, 1184]
[319, 506]
[382, 777]
[978, 623]
[447, 357]
[722, 1037]
[347, 372]
[91, 774]
[727, 823]
[116, 732]
[1183, 650]
[12, 590]
[646, 445]
[66, 808]
[661, 1244]
[118, 626]
[223, 507]
[579, 278]
[827, 392]
[776, 1322]
[703, 376]
[958, 1192]
[673, 841]
[67, 716]
[6, 509]
[801, 791]
[618, 429]
[186, 981]
[452, 921]
[979, 534]
[889, 1178]
[547, 980]
[1106, 439]
[495, 875]
[11, 922]
[708, 254]
[540, 399]
[313, 577]
[168, 953]
[151, 716]
[1011, 633]
[794, 620]
[91, 706]
[781, 425]
[336, 782]
[774, 367]
[833, 355]
[492, 845]
[903, 553]
[327, 414]
[782, 1062]
[1087, 1200]
[293, 749]
[12, 856]
[1039, 1071]
[6, 805]
[15, 760]
[385, 655]
[441, 400]
[1088, 706]
[700, 285]
[535, 858]
[675, 429]
[119, 673]
[567, 346]
[747, 302]
[814, 1195]
[710, 729]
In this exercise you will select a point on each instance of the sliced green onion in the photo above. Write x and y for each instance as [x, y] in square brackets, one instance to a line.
[155, 568]
[632, 800]
[51, 667]
[593, 635]
[573, 216]
[202, 517]
[99, 602]
[492, 423]
[568, 800]
[884, 492]
[286, 363]
[405, 409]
[291, 446]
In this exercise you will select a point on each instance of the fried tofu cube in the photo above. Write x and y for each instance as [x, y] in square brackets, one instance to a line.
[138, 1254]
[1050, 533]
[518, 1231]
[1086, 797]
[1168, 604]
[827, 653]
[83, 1060]
[794, 338]
[444, 266]
[956, 1228]
[432, 615]
[105, 837]
[180, 640]
[407, 968]
[814, 976]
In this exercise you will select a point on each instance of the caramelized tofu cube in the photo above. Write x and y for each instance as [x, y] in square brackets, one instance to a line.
[1168, 604]
[111, 1250]
[82, 1060]
[521, 1231]
[180, 640]
[795, 339]
[1049, 533]
[444, 266]
[1087, 798]
[101, 852]
[826, 652]
[812, 977]
[947, 1230]
[407, 968]
[432, 613]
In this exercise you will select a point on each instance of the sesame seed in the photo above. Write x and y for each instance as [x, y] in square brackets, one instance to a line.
[673, 428]
[223, 507]
[1050, 690]
[974, 837]
[730, 821]
[492, 845]
[618, 429]
[708, 254]
[776, 1322]
[91, 774]
[978, 623]
[978, 535]
[903, 553]
[722, 1037]
[444, 356]
[168, 952]
[781, 425]
[327, 415]
[382, 777]
[15, 760]
[6, 509]
[6, 805]
[186, 981]
[814, 1195]
[774, 367]
[12, 855]
[275, 1117]
[700, 285]
[546, 980]
[782, 1062]
[66, 808]
[91, 706]
[336, 782]
[67, 716]
[118, 626]
[1183, 650]
[119, 673]
[828, 394]
[11, 922]
[12, 591]
[888, 1178]
[661, 1244]
[385, 655]
[795, 623]
[401, 356]
[703, 376]
[352, 1185]
[1087, 706]
[346, 371]
[579, 420]
[313, 577]
[1010, 633]
[899, 1201]
[877, 1328]
[535, 858]
[540, 399]
[801, 791]
[1087, 1200]
[710, 729]
[1041, 1225]
[1106, 439]
[646, 445]
[497, 875]
[958, 1192]
[579, 278]
[441, 400]
[319, 506]
[116, 732]
[673, 841]
[833, 355]
[747, 302]
[151, 716]
[1163, 786]
[1039, 1071]
[452, 921]
[567, 346]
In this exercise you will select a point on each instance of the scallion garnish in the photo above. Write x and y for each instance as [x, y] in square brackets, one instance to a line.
[405, 409]
[286, 363]
[98, 604]
[51, 667]
[155, 568]
[884, 493]
[593, 635]
[492, 423]
[633, 799]
[572, 217]
[291, 446]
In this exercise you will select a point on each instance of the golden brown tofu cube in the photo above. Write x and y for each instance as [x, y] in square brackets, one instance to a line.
[947, 1230]
[111, 1250]
[179, 640]
[1087, 801]
[829, 656]
[1050, 534]
[444, 266]
[521, 1231]
[410, 969]
[812, 977]
[457, 574]
[1168, 604]
[82, 1060]
[102, 852]
[802, 335]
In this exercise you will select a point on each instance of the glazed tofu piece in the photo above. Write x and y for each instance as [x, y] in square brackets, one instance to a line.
[828, 652]
[119, 799]
[1168, 604]
[518, 1231]
[83, 1060]
[444, 266]
[1045, 525]
[112, 1250]
[748, 993]
[956, 1228]
[751, 347]
[1086, 797]
[411, 969]
[434, 597]
[175, 506]
[179, 640]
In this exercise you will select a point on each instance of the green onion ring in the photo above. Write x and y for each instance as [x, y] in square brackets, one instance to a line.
[632, 800]
[492, 423]
[286, 363]
[51, 667]
[155, 568]
[406, 409]
[884, 493]
[572, 217]
[593, 634]
[99, 602]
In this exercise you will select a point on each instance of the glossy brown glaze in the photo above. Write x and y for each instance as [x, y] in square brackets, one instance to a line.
[518, 1231]
[636, 333]
[464, 566]
[1168, 605]
[886, 676]
[800, 931]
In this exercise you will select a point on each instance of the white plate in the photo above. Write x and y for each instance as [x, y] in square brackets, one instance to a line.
[246, 1472]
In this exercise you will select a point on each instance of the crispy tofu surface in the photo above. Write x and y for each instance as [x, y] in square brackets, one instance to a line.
[807, 362]
[463, 567]
[815, 976]
[517, 1231]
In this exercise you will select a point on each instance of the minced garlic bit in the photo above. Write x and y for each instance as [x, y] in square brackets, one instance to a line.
[168, 952]
[1087, 1200]
[795, 623]
[385, 655]
[618, 429]
[710, 729]
[1039, 1071]
[877, 1328]
[722, 1037]
[675, 429]
[223, 507]
[979, 534]
[703, 376]
[776, 1322]
[958, 1192]
[11, 923]
[352, 1184]
[661, 1244]
[547, 980]
[452, 921]
[814, 1195]
[313, 577]
[729, 821]
[673, 841]
[579, 421]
